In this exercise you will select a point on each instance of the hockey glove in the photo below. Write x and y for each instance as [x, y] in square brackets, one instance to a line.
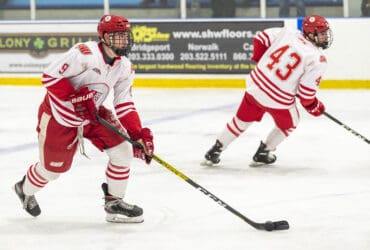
[84, 105]
[316, 108]
[145, 138]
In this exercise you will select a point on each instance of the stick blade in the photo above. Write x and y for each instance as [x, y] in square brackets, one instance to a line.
[279, 225]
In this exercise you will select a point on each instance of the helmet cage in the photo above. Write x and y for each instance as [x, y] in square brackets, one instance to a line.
[117, 27]
[324, 45]
[315, 24]
[116, 38]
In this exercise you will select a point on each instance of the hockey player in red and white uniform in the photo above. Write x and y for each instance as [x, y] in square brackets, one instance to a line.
[290, 63]
[77, 84]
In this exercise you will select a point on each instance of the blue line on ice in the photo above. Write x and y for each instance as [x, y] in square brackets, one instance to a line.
[26, 146]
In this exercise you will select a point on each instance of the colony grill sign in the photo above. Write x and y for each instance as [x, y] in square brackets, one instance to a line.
[39, 45]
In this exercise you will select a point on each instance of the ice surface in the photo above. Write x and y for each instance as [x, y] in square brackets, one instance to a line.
[320, 182]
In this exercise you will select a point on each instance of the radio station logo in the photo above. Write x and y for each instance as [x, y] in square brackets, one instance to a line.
[146, 34]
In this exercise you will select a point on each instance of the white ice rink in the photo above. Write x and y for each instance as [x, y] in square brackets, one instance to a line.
[320, 182]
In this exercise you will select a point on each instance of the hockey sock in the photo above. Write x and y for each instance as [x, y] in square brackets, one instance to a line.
[233, 129]
[34, 180]
[275, 137]
[117, 179]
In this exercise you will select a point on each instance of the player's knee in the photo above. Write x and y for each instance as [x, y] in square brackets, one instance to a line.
[241, 125]
[287, 130]
[121, 154]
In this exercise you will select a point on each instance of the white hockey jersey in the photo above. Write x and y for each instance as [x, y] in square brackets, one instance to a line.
[84, 65]
[291, 65]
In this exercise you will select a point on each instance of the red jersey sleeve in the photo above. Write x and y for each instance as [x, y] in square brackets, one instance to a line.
[129, 118]
[258, 50]
[59, 87]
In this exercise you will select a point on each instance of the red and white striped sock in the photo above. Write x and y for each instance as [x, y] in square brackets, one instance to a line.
[117, 179]
[34, 181]
[233, 130]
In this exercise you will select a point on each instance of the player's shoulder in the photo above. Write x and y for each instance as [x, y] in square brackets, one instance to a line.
[271, 31]
[125, 67]
[125, 62]
[86, 48]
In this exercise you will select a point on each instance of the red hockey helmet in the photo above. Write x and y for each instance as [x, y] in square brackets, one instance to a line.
[314, 24]
[113, 23]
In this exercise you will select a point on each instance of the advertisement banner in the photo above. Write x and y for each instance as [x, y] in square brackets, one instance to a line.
[201, 47]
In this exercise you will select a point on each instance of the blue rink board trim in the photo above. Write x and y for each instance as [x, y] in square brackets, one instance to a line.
[155, 3]
[27, 146]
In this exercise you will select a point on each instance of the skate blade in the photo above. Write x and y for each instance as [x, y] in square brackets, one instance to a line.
[255, 164]
[117, 218]
[208, 163]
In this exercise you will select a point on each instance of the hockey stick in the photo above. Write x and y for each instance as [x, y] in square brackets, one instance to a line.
[268, 225]
[346, 127]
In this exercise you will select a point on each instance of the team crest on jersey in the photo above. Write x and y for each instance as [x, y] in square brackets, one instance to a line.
[322, 59]
[97, 70]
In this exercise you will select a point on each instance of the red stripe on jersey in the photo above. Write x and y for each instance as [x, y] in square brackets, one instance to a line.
[46, 79]
[273, 95]
[124, 108]
[306, 91]
[306, 99]
[282, 92]
[129, 118]
[84, 49]
[264, 38]
[61, 88]
[258, 49]
[121, 105]
[306, 95]
[66, 114]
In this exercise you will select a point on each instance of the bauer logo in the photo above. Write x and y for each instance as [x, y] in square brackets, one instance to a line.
[40, 45]
[146, 34]
[56, 164]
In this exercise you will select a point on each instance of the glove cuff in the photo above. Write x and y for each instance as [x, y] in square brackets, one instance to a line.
[143, 133]
[147, 134]
[311, 105]
[134, 135]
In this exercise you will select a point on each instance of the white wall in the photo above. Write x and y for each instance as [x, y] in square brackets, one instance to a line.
[349, 56]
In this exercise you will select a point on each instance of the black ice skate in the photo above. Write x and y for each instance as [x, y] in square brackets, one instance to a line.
[29, 201]
[119, 211]
[263, 156]
[212, 157]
